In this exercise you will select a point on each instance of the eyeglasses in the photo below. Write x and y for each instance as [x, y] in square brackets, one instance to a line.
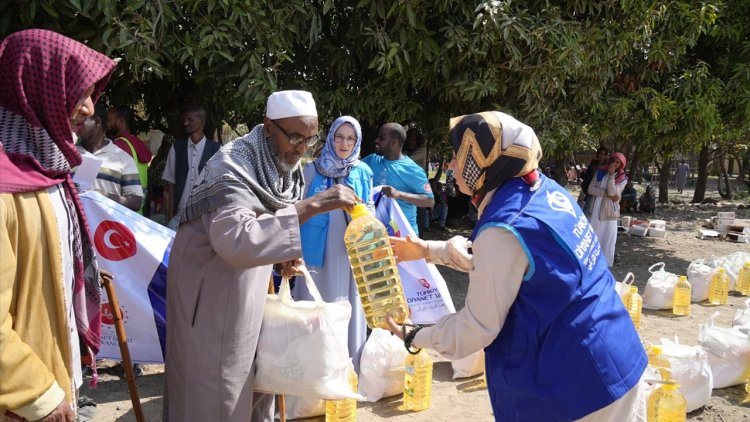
[349, 140]
[296, 140]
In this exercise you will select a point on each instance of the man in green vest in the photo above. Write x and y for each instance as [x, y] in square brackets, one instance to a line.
[119, 121]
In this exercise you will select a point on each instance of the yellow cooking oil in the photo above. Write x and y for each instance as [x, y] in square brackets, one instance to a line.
[344, 410]
[743, 279]
[659, 362]
[682, 291]
[417, 381]
[666, 404]
[634, 305]
[718, 288]
[374, 269]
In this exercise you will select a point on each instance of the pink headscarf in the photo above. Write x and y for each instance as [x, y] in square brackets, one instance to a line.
[43, 76]
[620, 175]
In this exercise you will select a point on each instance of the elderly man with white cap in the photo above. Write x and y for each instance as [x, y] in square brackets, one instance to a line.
[242, 217]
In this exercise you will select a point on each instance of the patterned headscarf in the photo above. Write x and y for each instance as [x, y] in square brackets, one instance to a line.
[492, 147]
[43, 76]
[328, 163]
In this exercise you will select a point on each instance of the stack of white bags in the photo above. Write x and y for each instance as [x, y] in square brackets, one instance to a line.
[722, 357]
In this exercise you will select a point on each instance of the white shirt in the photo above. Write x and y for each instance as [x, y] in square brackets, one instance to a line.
[118, 174]
[194, 154]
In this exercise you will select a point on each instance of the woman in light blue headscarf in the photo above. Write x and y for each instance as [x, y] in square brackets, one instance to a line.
[323, 235]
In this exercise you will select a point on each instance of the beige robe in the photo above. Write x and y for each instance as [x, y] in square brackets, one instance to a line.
[217, 281]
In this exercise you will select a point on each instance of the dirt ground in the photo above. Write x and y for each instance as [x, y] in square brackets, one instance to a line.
[458, 400]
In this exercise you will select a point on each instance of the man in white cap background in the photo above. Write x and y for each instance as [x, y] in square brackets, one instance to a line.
[242, 216]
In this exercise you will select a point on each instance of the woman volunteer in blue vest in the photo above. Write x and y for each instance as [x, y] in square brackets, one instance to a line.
[323, 235]
[558, 342]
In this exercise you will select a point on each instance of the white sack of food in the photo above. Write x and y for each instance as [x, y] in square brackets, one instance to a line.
[622, 287]
[690, 369]
[659, 291]
[302, 349]
[469, 366]
[699, 276]
[728, 352]
[381, 366]
[741, 319]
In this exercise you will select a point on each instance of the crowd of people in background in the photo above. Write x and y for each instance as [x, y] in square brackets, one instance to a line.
[241, 209]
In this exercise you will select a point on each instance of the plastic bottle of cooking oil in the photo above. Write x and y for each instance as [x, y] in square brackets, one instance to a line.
[682, 291]
[657, 361]
[743, 279]
[417, 381]
[634, 304]
[374, 269]
[344, 410]
[718, 289]
[667, 404]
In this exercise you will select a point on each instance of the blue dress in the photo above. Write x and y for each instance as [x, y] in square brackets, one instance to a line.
[331, 271]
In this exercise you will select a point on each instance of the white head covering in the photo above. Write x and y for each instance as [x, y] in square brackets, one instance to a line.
[282, 104]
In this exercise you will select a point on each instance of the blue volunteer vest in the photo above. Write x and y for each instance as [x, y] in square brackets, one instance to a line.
[568, 347]
[314, 231]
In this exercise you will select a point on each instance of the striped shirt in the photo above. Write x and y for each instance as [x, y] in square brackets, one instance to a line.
[118, 174]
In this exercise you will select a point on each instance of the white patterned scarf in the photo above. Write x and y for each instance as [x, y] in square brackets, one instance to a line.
[243, 172]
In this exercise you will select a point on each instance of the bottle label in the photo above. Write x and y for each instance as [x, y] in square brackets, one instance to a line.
[410, 370]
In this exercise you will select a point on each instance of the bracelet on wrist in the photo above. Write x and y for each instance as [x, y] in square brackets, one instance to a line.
[409, 337]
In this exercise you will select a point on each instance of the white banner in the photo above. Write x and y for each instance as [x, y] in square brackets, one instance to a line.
[425, 289]
[136, 251]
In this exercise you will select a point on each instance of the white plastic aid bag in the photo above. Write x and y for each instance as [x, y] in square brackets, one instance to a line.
[699, 276]
[659, 291]
[622, 287]
[728, 352]
[469, 366]
[381, 366]
[297, 407]
[689, 367]
[741, 320]
[302, 349]
[733, 264]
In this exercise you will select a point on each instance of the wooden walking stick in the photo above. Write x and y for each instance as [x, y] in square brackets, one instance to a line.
[108, 282]
[279, 397]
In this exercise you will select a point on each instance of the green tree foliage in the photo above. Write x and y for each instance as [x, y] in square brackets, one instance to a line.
[658, 76]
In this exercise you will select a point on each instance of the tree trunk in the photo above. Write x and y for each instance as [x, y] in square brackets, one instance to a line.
[439, 172]
[727, 193]
[634, 174]
[561, 175]
[700, 183]
[664, 173]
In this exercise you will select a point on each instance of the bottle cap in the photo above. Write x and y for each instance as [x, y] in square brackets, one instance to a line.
[633, 289]
[656, 349]
[359, 210]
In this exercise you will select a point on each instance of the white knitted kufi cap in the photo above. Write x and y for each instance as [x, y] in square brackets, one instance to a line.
[284, 104]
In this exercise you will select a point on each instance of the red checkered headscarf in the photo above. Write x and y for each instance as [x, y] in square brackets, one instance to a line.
[43, 77]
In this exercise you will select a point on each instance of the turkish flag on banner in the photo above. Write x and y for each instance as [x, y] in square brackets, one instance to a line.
[136, 251]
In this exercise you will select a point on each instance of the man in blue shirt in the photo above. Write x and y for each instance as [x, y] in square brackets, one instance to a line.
[402, 178]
